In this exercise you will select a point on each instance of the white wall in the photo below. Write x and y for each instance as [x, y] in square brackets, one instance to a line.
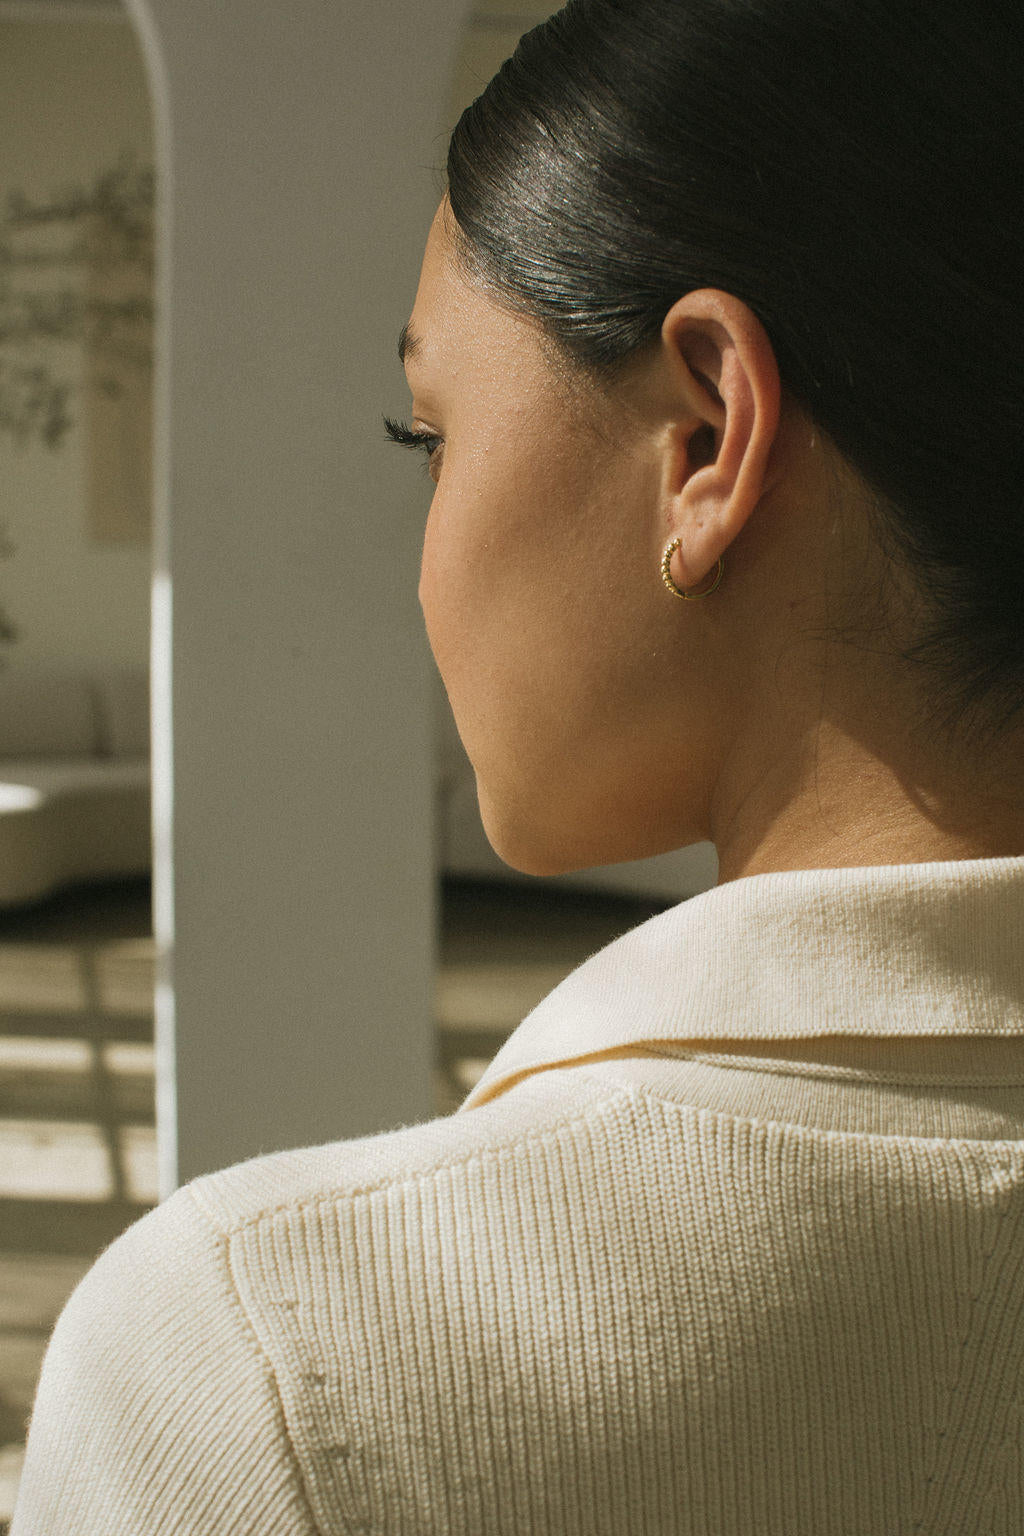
[73, 97]
[293, 763]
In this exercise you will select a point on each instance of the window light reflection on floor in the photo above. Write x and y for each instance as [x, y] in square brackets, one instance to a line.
[70, 1160]
[19, 797]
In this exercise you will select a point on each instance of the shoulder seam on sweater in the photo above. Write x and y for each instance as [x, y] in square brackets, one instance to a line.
[223, 1243]
[521, 1138]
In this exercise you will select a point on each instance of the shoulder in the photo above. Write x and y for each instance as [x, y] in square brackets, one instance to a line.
[211, 1325]
[184, 1243]
[343, 1172]
[155, 1383]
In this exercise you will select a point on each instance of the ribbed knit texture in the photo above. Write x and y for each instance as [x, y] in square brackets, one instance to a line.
[594, 1302]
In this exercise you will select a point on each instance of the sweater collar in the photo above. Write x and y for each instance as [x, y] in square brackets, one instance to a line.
[902, 949]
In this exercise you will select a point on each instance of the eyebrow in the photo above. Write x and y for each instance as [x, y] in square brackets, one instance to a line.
[408, 343]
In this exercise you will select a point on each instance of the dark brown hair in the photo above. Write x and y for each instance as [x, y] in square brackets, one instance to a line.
[853, 170]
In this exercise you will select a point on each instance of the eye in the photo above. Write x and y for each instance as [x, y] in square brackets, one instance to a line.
[427, 442]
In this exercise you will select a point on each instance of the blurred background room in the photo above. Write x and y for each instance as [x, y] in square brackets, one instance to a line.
[246, 901]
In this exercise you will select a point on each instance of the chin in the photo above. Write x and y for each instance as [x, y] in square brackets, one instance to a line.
[527, 857]
[535, 850]
[517, 844]
[528, 863]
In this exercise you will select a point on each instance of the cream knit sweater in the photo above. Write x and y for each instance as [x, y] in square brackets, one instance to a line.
[728, 1240]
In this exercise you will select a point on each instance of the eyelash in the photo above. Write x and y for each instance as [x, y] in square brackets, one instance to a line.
[426, 442]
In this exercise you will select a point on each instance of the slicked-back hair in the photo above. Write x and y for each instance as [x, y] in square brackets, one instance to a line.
[853, 170]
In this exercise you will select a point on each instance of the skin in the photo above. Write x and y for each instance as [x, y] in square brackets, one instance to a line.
[608, 720]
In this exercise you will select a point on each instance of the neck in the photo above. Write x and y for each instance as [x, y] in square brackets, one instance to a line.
[827, 798]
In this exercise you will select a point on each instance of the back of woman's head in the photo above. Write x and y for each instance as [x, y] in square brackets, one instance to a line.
[853, 170]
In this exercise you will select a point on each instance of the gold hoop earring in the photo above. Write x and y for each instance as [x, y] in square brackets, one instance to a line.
[690, 597]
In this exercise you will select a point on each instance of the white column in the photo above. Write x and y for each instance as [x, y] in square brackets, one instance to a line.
[294, 780]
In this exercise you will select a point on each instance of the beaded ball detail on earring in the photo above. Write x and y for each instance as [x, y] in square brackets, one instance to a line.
[666, 561]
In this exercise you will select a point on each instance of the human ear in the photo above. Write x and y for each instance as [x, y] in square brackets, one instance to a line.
[725, 381]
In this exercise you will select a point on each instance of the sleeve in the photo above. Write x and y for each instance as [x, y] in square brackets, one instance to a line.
[156, 1410]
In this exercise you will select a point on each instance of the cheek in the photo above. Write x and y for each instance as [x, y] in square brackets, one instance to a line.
[447, 572]
[513, 590]
[477, 532]
[533, 587]
[483, 605]
[461, 556]
[430, 586]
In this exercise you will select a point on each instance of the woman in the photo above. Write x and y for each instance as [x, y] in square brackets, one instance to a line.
[716, 360]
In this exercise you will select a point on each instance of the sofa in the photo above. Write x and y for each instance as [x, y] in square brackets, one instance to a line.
[75, 794]
[74, 778]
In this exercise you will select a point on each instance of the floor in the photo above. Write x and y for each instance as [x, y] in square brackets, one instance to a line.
[77, 1139]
